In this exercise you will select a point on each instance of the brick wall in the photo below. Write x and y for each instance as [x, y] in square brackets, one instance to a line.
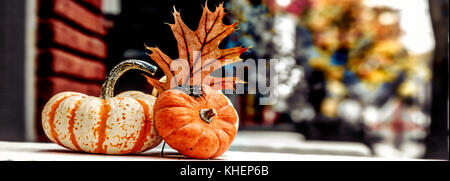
[71, 50]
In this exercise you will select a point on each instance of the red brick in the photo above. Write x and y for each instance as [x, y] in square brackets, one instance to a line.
[80, 15]
[95, 3]
[64, 63]
[63, 34]
[49, 86]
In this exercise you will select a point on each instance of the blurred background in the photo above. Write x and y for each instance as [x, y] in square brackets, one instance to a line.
[356, 77]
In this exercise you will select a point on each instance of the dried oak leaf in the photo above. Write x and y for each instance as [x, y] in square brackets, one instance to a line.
[201, 50]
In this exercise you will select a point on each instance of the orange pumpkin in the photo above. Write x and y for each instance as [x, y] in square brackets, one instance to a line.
[197, 126]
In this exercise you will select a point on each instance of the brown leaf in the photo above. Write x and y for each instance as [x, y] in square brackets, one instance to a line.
[222, 83]
[200, 48]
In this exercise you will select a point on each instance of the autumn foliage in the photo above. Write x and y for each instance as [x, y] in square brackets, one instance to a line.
[197, 125]
[199, 54]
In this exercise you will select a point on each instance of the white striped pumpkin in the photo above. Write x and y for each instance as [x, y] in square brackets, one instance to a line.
[108, 125]
[119, 125]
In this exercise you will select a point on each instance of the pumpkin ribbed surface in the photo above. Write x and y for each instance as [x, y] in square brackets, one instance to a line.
[119, 125]
[178, 121]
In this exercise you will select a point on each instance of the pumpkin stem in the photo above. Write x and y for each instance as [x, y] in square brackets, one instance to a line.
[207, 114]
[119, 70]
[191, 90]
